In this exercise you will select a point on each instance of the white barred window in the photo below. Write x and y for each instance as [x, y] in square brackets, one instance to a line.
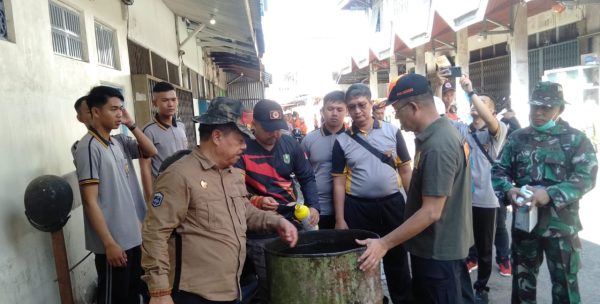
[106, 45]
[3, 24]
[66, 31]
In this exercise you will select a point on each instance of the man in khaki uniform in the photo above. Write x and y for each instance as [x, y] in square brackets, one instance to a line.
[202, 201]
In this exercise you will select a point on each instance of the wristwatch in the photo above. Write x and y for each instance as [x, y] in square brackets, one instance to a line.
[132, 127]
[470, 94]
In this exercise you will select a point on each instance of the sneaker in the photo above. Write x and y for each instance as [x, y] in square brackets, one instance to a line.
[481, 296]
[471, 265]
[505, 269]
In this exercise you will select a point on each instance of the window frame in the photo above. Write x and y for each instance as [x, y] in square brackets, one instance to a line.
[115, 45]
[66, 33]
[8, 22]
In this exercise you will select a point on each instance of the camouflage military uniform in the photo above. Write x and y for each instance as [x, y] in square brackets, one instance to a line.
[562, 160]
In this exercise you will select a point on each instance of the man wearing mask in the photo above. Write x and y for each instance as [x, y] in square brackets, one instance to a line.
[558, 164]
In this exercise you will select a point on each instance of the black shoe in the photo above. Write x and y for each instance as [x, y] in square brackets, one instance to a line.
[481, 296]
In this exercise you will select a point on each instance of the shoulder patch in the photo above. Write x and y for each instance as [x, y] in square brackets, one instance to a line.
[157, 199]
[417, 159]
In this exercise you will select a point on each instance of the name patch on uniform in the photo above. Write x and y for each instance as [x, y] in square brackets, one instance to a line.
[157, 199]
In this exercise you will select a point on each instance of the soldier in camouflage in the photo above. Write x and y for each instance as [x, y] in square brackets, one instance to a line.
[559, 165]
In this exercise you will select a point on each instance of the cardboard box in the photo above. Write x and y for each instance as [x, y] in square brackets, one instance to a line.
[526, 217]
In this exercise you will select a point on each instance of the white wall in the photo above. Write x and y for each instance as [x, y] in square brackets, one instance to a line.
[193, 53]
[37, 91]
[152, 25]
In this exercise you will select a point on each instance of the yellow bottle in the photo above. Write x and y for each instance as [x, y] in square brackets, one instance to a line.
[301, 213]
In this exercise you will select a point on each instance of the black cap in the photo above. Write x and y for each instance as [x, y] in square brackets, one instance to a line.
[405, 86]
[270, 115]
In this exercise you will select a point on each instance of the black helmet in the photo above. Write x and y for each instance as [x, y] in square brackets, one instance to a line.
[48, 201]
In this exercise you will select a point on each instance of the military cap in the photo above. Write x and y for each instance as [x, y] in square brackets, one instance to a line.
[223, 110]
[549, 94]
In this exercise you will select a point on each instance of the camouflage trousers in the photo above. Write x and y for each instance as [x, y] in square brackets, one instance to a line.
[563, 259]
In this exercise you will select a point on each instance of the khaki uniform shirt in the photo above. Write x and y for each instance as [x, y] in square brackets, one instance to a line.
[209, 210]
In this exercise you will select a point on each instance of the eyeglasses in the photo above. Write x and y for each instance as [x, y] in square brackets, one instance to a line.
[360, 106]
[400, 107]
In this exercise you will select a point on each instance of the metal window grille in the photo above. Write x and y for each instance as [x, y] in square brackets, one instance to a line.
[159, 67]
[139, 58]
[560, 55]
[173, 71]
[105, 45]
[66, 31]
[3, 25]
[491, 76]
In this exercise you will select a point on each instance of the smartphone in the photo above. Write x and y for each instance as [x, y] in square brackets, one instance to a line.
[455, 71]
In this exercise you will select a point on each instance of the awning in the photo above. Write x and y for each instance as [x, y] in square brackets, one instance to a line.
[235, 41]
[460, 16]
[496, 12]
[354, 4]
[432, 23]
[413, 21]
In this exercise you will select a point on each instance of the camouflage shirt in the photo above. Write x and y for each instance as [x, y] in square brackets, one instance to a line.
[561, 159]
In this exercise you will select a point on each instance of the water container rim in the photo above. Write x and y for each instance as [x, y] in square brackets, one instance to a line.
[314, 255]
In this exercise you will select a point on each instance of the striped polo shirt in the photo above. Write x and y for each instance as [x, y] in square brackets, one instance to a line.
[366, 175]
[168, 139]
[101, 161]
[318, 146]
[131, 151]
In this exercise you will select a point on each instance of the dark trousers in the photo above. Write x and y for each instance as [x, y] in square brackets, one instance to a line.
[255, 250]
[484, 222]
[120, 284]
[183, 297]
[501, 237]
[441, 282]
[382, 216]
[326, 222]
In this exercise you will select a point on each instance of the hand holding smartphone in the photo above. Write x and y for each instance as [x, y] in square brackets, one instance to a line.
[455, 72]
